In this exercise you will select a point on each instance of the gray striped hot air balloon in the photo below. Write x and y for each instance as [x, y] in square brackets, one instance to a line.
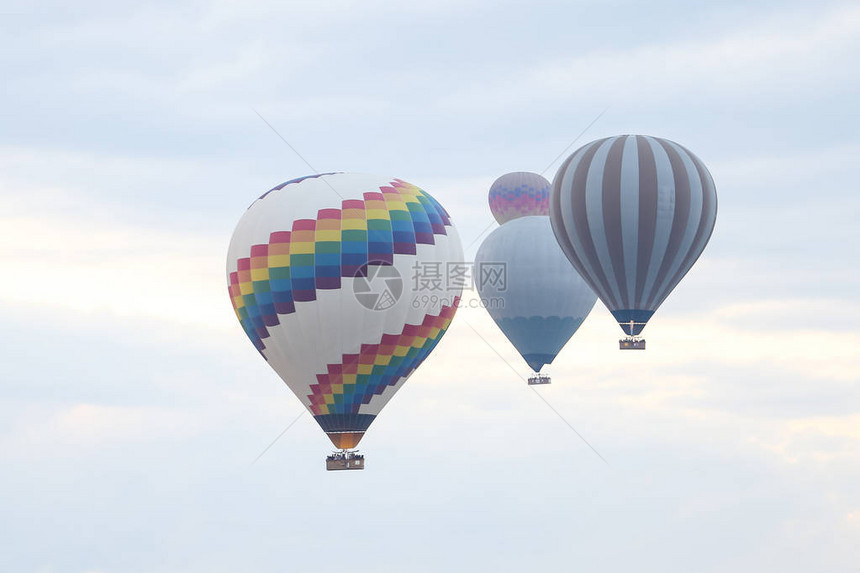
[633, 213]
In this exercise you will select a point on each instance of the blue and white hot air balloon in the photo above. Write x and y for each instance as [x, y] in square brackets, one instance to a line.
[530, 289]
[633, 213]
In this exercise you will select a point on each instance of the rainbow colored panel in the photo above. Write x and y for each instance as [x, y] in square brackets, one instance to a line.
[279, 273]
[315, 254]
[359, 377]
[380, 241]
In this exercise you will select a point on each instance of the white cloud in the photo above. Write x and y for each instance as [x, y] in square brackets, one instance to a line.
[677, 383]
[787, 170]
[812, 440]
[125, 271]
[784, 57]
[87, 428]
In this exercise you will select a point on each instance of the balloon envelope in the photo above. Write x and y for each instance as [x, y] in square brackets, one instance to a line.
[321, 273]
[633, 213]
[530, 289]
[519, 194]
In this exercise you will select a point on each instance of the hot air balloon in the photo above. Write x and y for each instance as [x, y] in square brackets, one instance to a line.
[320, 272]
[519, 194]
[530, 289]
[633, 213]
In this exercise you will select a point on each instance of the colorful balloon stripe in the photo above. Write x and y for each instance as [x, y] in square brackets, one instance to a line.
[519, 194]
[317, 253]
[348, 385]
[512, 205]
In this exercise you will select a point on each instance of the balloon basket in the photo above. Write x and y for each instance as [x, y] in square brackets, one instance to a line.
[631, 344]
[344, 460]
[538, 379]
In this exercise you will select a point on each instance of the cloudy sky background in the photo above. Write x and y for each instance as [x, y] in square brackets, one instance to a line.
[132, 406]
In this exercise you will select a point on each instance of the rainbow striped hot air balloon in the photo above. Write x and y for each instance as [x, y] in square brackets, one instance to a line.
[321, 275]
[633, 213]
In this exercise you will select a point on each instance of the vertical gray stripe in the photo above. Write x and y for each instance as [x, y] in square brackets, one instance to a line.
[680, 219]
[629, 205]
[665, 214]
[695, 214]
[581, 231]
[563, 224]
[555, 212]
[594, 197]
[705, 225]
[612, 218]
[647, 213]
[709, 207]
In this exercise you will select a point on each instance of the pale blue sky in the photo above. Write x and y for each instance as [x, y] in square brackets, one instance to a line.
[132, 405]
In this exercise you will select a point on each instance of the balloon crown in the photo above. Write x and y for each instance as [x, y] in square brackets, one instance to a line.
[519, 194]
